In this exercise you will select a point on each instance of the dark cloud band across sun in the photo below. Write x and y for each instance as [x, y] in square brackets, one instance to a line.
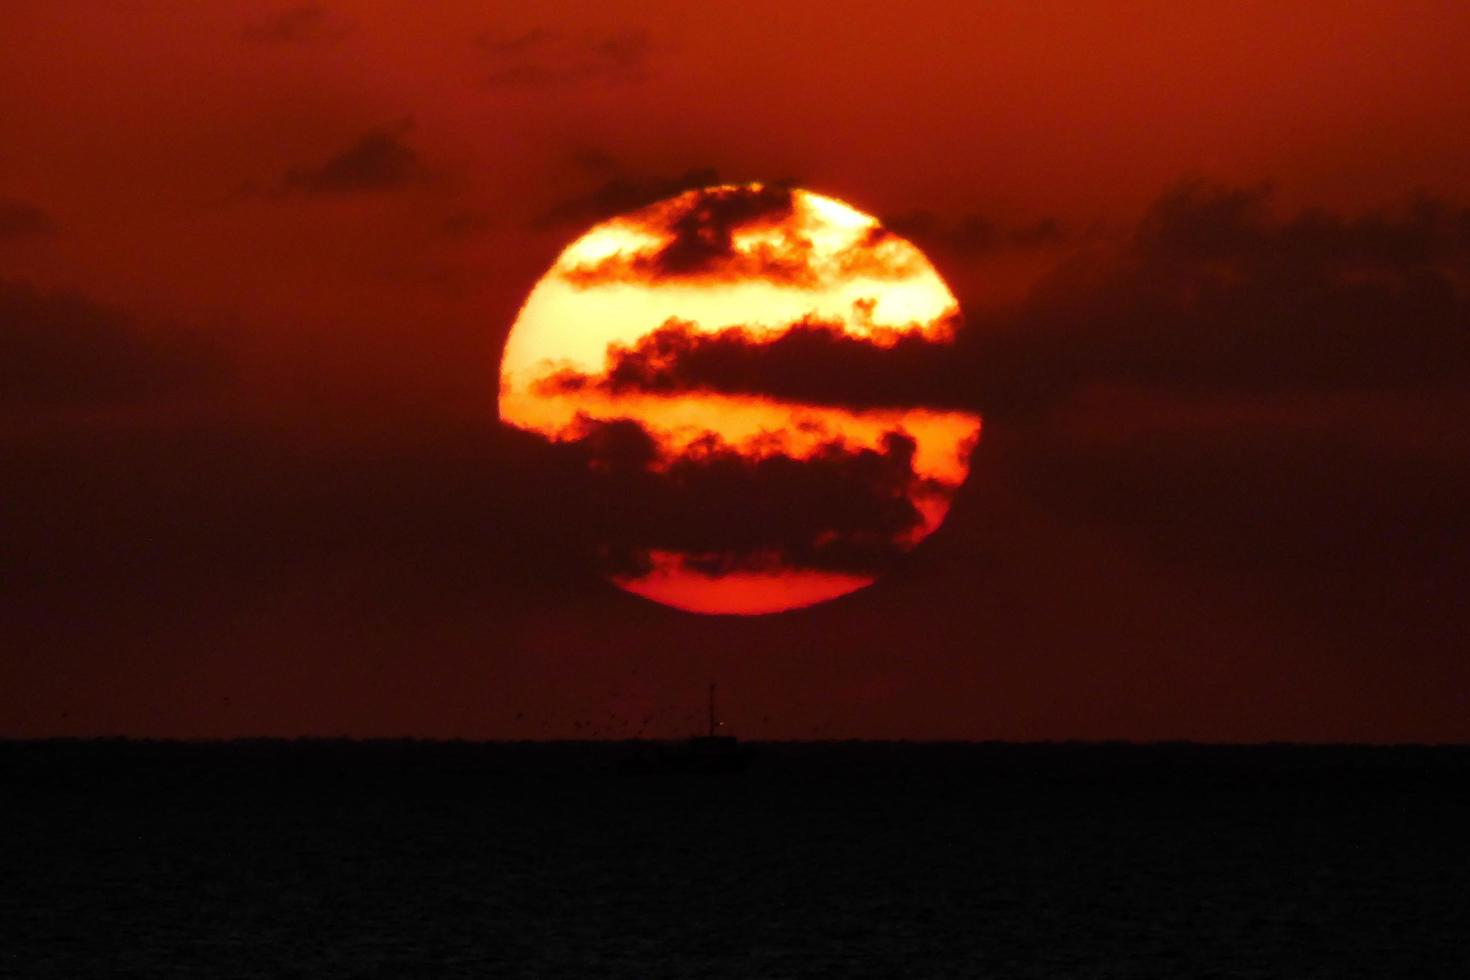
[811, 361]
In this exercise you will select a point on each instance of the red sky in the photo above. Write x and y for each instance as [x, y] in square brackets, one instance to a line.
[257, 262]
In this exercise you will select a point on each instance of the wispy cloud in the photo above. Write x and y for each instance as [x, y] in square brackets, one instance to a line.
[20, 219]
[542, 58]
[302, 23]
[378, 161]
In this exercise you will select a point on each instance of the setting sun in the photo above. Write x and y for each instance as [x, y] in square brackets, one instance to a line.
[723, 354]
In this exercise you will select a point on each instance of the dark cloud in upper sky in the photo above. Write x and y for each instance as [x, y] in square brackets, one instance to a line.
[302, 23]
[380, 160]
[20, 219]
[540, 58]
[61, 348]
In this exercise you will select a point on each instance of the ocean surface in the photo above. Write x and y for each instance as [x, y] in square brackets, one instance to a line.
[416, 859]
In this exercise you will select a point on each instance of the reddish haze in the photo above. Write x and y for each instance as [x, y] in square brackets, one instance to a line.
[258, 262]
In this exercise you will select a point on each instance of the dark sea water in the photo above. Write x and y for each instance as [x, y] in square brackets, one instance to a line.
[402, 859]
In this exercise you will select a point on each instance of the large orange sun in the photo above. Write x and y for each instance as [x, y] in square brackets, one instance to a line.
[741, 373]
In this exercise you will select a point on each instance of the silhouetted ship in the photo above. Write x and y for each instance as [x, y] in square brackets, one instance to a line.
[711, 753]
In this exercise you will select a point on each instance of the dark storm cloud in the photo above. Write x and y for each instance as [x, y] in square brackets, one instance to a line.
[540, 58]
[19, 219]
[1215, 292]
[302, 23]
[61, 348]
[974, 235]
[809, 362]
[621, 194]
[1237, 323]
[378, 161]
[839, 509]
